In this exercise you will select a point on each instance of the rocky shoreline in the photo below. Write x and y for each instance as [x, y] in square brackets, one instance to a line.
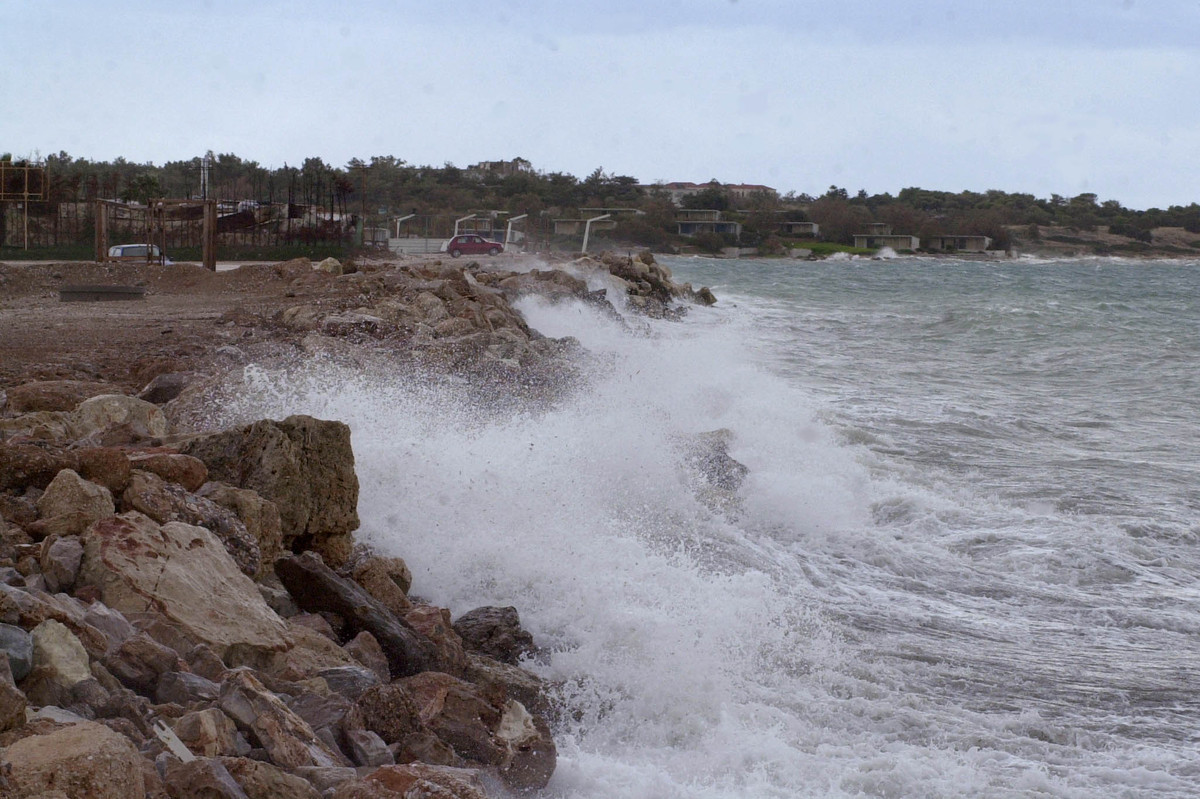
[186, 612]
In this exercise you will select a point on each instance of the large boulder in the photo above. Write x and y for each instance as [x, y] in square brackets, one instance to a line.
[304, 465]
[99, 415]
[264, 781]
[12, 701]
[79, 760]
[260, 517]
[183, 574]
[59, 664]
[166, 502]
[71, 503]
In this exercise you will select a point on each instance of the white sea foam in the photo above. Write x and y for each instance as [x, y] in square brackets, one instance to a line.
[858, 625]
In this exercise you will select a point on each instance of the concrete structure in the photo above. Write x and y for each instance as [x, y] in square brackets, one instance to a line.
[807, 229]
[574, 227]
[958, 243]
[897, 241]
[690, 221]
[697, 215]
[500, 169]
[679, 191]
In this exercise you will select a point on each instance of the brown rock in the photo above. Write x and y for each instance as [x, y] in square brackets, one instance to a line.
[106, 466]
[260, 516]
[30, 465]
[264, 781]
[12, 701]
[78, 760]
[315, 587]
[304, 465]
[366, 650]
[386, 579]
[139, 662]
[415, 781]
[289, 740]
[390, 711]
[512, 682]
[495, 632]
[174, 467]
[207, 733]
[203, 778]
[434, 623]
[54, 395]
[184, 575]
[486, 729]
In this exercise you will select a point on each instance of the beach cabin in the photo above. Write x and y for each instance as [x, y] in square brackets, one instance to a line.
[896, 241]
[958, 243]
[800, 229]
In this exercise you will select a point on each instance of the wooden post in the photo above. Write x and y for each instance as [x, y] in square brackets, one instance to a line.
[210, 235]
[101, 230]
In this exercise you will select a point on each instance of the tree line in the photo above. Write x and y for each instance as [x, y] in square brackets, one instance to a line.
[394, 187]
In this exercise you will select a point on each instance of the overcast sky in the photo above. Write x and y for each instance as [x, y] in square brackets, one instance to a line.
[1042, 96]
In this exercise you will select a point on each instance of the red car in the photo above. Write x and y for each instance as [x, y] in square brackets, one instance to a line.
[472, 244]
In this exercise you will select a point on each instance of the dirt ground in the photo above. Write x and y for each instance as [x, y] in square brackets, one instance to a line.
[187, 314]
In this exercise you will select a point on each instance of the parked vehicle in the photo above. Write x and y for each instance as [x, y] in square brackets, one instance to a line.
[472, 244]
[136, 252]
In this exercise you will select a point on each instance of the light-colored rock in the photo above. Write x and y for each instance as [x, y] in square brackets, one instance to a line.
[71, 497]
[99, 414]
[434, 623]
[367, 651]
[59, 652]
[80, 760]
[330, 265]
[386, 579]
[310, 654]
[166, 502]
[184, 574]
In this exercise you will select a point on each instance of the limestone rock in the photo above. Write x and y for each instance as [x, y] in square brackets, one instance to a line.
[331, 266]
[259, 515]
[386, 579]
[185, 575]
[69, 496]
[59, 662]
[168, 502]
[99, 414]
[84, 759]
[304, 465]
[366, 748]
[495, 632]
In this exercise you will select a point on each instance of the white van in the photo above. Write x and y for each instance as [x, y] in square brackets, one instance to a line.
[136, 252]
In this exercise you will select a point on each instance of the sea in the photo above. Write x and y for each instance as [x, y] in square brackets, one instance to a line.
[964, 560]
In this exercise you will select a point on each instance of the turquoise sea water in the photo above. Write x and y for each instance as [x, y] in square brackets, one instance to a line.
[964, 562]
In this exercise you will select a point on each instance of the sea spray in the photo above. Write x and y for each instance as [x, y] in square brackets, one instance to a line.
[854, 625]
